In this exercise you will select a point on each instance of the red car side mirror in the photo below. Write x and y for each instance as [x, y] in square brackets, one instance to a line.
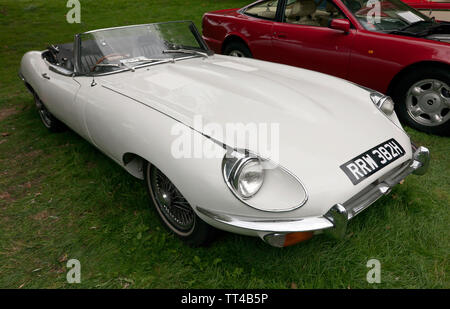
[340, 24]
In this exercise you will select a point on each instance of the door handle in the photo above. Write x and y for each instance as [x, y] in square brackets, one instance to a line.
[281, 35]
[45, 75]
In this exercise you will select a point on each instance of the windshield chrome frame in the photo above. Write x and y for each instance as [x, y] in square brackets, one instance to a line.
[77, 55]
[192, 27]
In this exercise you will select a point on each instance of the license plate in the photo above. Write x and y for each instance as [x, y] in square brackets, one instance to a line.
[373, 160]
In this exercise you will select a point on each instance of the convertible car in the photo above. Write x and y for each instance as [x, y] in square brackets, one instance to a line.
[383, 45]
[130, 90]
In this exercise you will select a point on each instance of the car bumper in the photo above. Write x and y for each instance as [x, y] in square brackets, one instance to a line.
[334, 222]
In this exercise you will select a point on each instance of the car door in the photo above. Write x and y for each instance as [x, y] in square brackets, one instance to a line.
[304, 38]
[59, 94]
[257, 25]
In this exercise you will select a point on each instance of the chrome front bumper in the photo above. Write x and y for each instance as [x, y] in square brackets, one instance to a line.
[335, 221]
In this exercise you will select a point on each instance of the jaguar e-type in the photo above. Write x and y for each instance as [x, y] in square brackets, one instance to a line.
[129, 90]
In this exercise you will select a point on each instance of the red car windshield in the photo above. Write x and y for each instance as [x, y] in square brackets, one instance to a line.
[385, 15]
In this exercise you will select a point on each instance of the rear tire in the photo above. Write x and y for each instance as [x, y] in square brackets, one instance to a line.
[174, 211]
[237, 49]
[48, 120]
[423, 100]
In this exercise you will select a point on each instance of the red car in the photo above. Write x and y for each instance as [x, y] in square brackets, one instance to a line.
[439, 9]
[383, 45]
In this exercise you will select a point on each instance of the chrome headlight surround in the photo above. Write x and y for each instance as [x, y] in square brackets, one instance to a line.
[238, 175]
[247, 177]
[271, 187]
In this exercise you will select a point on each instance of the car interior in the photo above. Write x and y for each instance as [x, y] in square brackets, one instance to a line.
[266, 10]
[311, 13]
[62, 54]
[301, 12]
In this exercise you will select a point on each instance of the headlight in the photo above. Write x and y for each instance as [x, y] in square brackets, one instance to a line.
[383, 102]
[260, 183]
[248, 177]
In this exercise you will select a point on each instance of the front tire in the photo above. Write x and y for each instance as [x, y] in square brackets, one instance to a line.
[237, 49]
[423, 100]
[48, 120]
[174, 210]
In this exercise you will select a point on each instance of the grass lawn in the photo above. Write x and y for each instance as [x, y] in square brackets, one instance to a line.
[60, 198]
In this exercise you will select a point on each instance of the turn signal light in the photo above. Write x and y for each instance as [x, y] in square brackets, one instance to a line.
[284, 240]
[293, 238]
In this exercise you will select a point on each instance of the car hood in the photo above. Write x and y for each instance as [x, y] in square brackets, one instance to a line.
[319, 118]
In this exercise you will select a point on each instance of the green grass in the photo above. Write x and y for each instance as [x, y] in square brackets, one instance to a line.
[60, 198]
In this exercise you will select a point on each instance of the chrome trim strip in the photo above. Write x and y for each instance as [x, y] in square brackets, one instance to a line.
[337, 217]
[269, 225]
[77, 55]
[136, 25]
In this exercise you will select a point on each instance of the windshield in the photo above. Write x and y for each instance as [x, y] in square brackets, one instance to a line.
[385, 15]
[131, 47]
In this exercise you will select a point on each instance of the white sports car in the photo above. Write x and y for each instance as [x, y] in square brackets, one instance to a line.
[138, 93]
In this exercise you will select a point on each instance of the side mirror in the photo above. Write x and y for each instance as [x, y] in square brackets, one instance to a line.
[340, 24]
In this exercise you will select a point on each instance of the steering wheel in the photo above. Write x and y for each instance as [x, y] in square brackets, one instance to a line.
[107, 57]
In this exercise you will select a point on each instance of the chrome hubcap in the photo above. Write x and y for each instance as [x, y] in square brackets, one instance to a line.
[171, 202]
[236, 53]
[428, 102]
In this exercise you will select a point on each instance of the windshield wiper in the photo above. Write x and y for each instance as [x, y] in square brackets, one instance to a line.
[437, 25]
[185, 51]
[403, 29]
[132, 64]
[433, 26]
[106, 65]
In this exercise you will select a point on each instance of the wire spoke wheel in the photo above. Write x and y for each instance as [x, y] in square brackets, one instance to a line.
[428, 102]
[170, 203]
[45, 115]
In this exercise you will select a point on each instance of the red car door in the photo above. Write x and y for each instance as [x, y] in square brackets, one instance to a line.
[256, 26]
[305, 40]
